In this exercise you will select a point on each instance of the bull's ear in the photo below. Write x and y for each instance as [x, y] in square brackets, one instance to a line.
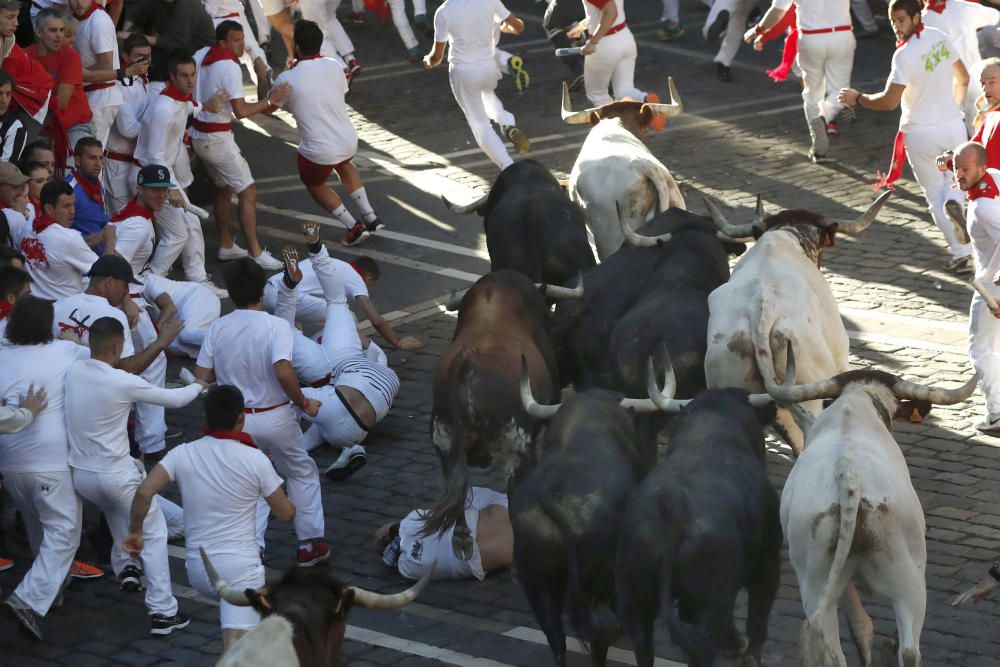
[828, 237]
[645, 115]
[344, 603]
[259, 601]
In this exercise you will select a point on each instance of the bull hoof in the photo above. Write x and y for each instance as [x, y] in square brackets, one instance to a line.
[751, 661]
[890, 651]
[461, 543]
[735, 646]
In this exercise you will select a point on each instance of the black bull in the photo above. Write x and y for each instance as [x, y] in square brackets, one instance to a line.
[531, 225]
[477, 417]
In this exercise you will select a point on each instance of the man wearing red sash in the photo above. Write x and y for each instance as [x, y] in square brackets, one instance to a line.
[929, 80]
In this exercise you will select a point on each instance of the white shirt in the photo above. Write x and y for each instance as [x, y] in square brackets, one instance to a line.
[161, 137]
[819, 14]
[56, 258]
[42, 446]
[983, 222]
[959, 22]
[97, 424]
[224, 75]
[923, 65]
[327, 136]
[78, 312]
[309, 359]
[593, 13]
[354, 284]
[468, 26]
[242, 348]
[18, 223]
[134, 242]
[221, 482]
[218, 9]
[128, 120]
[96, 35]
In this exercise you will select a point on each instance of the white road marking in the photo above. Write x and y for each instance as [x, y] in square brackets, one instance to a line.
[447, 656]
[573, 644]
[417, 213]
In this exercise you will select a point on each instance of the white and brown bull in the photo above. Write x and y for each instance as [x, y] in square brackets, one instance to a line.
[777, 293]
[616, 169]
[850, 514]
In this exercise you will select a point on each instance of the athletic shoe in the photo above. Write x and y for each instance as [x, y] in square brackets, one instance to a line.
[214, 289]
[24, 615]
[236, 252]
[960, 266]
[416, 54]
[266, 261]
[314, 551]
[355, 235]
[657, 122]
[989, 426]
[375, 225]
[357, 18]
[576, 83]
[80, 570]
[714, 31]
[5, 564]
[131, 579]
[831, 128]
[351, 460]
[669, 33]
[519, 139]
[421, 23]
[821, 143]
[162, 624]
[353, 69]
[723, 72]
[816, 157]
[515, 67]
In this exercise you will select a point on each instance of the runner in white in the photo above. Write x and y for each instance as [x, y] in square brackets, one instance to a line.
[212, 137]
[467, 27]
[929, 80]
[336, 43]
[328, 138]
[103, 471]
[120, 167]
[253, 351]
[196, 306]
[253, 55]
[222, 478]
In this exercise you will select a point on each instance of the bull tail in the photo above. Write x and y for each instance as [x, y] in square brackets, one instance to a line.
[667, 192]
[815, 648]
[696, 643]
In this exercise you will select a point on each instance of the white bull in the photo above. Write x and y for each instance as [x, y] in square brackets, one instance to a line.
[851, 516]
[616, 169]
[777, 293]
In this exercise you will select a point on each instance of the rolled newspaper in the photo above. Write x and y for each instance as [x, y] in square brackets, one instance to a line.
[197, 210]
[571, 51]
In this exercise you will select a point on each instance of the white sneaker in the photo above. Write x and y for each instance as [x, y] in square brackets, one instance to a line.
[214, 289]
[236, 252]
[266, 261]
[351, 460]
[989, 426]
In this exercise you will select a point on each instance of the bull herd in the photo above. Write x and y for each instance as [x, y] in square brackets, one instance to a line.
[659, 341]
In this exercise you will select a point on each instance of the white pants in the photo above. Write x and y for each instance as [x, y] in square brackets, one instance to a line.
[180, 235]
[922, 148]
[826, 60]
[101, 123]
[277, 433]
[671, 11]
[402, 23]
[323, 12]
[613, 63]
[53, 515]
[241, 572]
[310, 310]
[474, 86]
[223, 160]
[119, 183]
[984, 350]
[150, 424]
[173, 514]
[252, 50]
[738, 14]
[112, 492]
[713, 11]
[333, 424]
[260, 20]
[340, 331]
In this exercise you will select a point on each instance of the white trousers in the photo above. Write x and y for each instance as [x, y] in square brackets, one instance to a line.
[340, 331]
[112, 492]
[310, 310]
[671, 11]
[333, 424]
[474, 86]
[53, 516]
[922, 148]
[180, 235]
[260, 20]
[277, 433]
[119, 183]
[402, 23]
[102, 121]
[826, 60]
[150, 424]
[612, 64]
[173, 514]
[739, 11]
[241, 572]
[335, 42]
[252, 50]
[984, 350]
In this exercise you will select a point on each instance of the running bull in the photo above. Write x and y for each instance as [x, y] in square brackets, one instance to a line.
[850, 514]
[531, 225]
[477, 418]
[616, 169]
[306, 616]
[777, 294]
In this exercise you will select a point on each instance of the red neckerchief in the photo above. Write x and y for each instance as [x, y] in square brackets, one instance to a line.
[239, 436]
[5, 307]
[34, 202]
[935, 5]
[358, 269]
[174, 94]
[42, 222]
[916, 33]
[93, 190]
[312, 57]
[216, 53]
[984, 188]
[86, 15]
[131, 210]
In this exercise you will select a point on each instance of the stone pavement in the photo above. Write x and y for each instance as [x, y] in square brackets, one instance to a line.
[904, 314]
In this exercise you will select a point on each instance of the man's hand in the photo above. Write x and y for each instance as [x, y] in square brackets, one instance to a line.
[576, 32]
[279, 94]
[291, 258]
[215, 102]
[312, 407]
[35, 401]
[71, 336]
[168, 332]
[409, 343]
[109, 238]
[848, 96]
[429, 61]
[175, 198]
[978, 592]
[311, 231]
[588, 48]
[758, 44]
[138, 68]
[995, 312]
[751, 35]
[131, 311]
[133, 545]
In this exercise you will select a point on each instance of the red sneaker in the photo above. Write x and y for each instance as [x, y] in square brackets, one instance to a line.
[5, 564]
[314, 551]
[80, 570]
[831, 128]
[355, 235]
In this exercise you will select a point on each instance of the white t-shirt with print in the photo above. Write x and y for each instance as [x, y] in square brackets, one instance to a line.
[923, 65]
[78, 312]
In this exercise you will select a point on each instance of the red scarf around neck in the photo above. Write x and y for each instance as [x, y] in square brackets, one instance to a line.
[131, 210]
[313, 57]
[5, 307]
[86, 15]
[916, 33]
[174, 94]
[359, 270]
[984, 188]
[239, 436]
[93, 189]
[216, 53]
[935, 5]
[42, 222]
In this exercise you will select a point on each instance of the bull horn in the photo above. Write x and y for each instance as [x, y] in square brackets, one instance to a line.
[738, 233]
[531, 406]
[636, 239]
[468, 208]
[789, 392]
[659, 400]
[861, 223]
[225, 591]
[760, 400]
[935, 395]
[675, 107]
[574, 117]
[369, 600]
[560, 292]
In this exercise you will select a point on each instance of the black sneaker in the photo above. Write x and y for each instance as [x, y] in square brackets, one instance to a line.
[354, 69]
[718, 25]
[960, 266]
[355, 235]
[723, 72]
[131, 579]
[162, 624]
[24, 615]
[375, 225]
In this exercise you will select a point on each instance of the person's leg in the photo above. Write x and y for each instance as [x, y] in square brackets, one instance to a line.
[623, 75]
[117, 192]
[734, 32]
[150, 424]
[811, 58]
[261, 22]
[402, 24]
[468, 84]
[349, 176]
[221, 205]
[241, 571]
[193, 253]
[173, 514]
[597, 70]
[172, 232]
[838, 62]
[339, 329]
[863, 12]
[984, 351]
[101, 122]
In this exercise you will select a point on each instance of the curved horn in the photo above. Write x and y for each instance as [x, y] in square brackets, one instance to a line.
[560, 292]
[936, 395]
[531, 406]
[760, 400]
[662, 400]
[636, 239]
[574, 117]
[861, 223]
[789, 392]
[225, 591]
[369, 600]
[739, 233]
[676, 105]
[468, 208]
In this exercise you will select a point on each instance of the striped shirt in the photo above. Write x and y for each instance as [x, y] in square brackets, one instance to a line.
[376, 382]
[12, 137]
